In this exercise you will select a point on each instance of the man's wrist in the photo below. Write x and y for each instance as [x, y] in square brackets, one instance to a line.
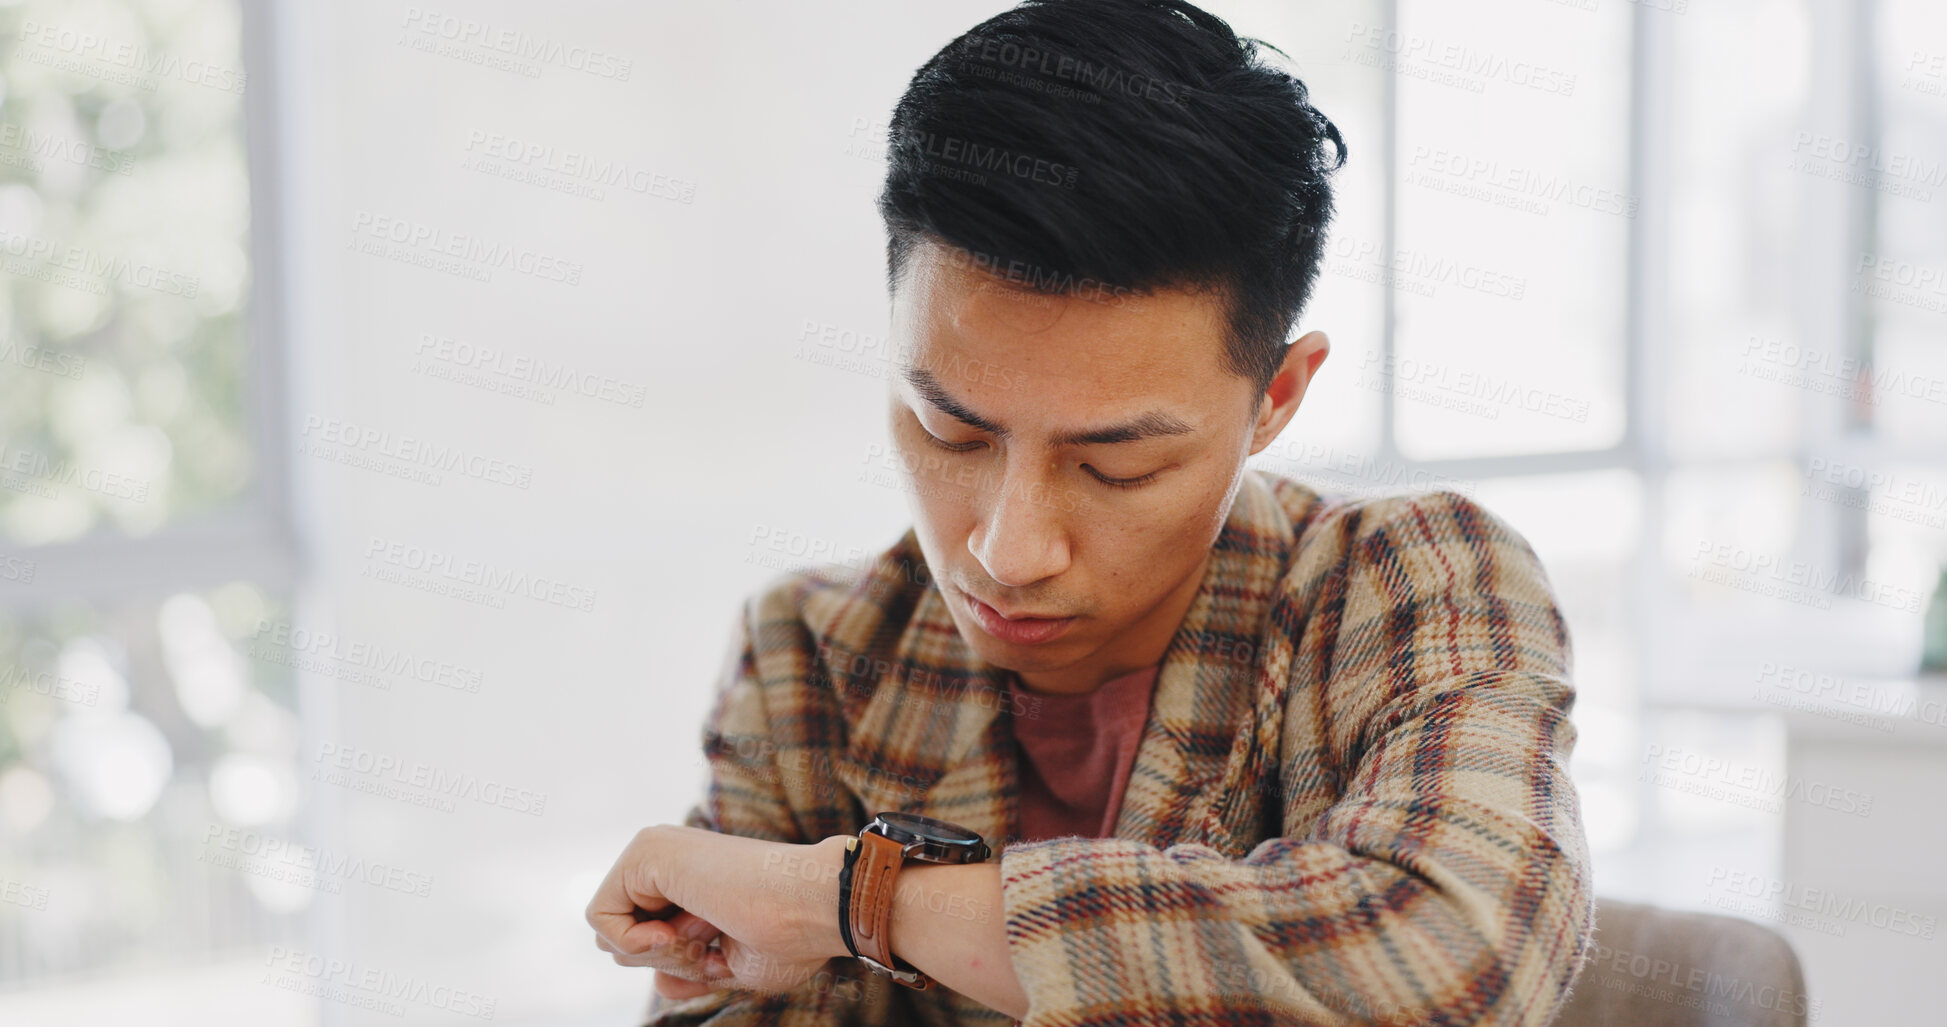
[822, 918]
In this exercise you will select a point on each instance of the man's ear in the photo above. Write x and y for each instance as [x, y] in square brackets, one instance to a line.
[1281, 398]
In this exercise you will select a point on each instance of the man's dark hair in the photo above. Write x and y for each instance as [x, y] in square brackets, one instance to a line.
[1115, 146]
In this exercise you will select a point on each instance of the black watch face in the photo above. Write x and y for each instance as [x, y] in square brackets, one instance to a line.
[913, 823]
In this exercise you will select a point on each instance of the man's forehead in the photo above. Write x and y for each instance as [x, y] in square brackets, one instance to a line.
[1181, 329]
[970, 301]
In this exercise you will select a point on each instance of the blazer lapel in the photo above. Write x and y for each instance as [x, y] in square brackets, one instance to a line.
[1200, 730]
[931, 739]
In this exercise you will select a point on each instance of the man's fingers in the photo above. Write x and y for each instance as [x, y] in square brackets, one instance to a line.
[628, 897]
[631, 937]
[614, 914]
[691, 927]
[691, 958]
[648, 936]
[632, 933]
[669, 959]
[716, 965]
[674, 987]
[685, 929]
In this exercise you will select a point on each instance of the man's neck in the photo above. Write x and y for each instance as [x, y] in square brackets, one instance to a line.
[1142, 644]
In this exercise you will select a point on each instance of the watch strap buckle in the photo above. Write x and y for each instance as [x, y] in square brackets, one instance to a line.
[911, 978]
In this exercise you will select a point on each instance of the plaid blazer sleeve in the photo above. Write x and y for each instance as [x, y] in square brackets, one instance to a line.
[756, 771]
[1433, 866]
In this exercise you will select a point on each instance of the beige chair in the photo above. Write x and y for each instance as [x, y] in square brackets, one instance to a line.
[1658, 966]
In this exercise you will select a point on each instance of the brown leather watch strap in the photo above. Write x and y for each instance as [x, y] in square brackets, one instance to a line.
[874, 878]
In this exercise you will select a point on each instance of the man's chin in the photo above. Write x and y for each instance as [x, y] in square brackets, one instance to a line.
[1022, 659]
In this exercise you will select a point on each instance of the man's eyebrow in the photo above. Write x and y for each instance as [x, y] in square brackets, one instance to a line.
[1153, 424]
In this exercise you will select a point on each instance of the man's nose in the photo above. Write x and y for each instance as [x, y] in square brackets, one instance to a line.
[1024, 537]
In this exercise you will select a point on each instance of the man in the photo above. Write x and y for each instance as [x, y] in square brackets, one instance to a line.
[1240, 753]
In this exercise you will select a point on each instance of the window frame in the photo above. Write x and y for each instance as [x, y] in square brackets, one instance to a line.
[255, 539]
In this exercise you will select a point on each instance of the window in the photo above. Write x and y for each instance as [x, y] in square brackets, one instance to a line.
[144, 726]
[1664, 285]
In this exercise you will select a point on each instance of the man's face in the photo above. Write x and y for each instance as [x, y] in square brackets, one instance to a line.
[1024, 512]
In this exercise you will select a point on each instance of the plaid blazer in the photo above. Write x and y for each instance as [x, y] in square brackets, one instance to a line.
[1350, 803]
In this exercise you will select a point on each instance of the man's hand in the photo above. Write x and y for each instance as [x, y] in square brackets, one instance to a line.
[710, 910]
[677, 989]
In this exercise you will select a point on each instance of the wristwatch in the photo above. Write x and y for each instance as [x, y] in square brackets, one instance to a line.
[866, 884]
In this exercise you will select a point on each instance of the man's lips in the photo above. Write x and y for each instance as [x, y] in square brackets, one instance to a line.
[1020, 630]
[1004, 615]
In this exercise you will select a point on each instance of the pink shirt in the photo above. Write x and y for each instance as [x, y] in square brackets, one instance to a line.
[1075, 755]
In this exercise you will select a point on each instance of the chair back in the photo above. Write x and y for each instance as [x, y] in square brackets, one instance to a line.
[1659, 966]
